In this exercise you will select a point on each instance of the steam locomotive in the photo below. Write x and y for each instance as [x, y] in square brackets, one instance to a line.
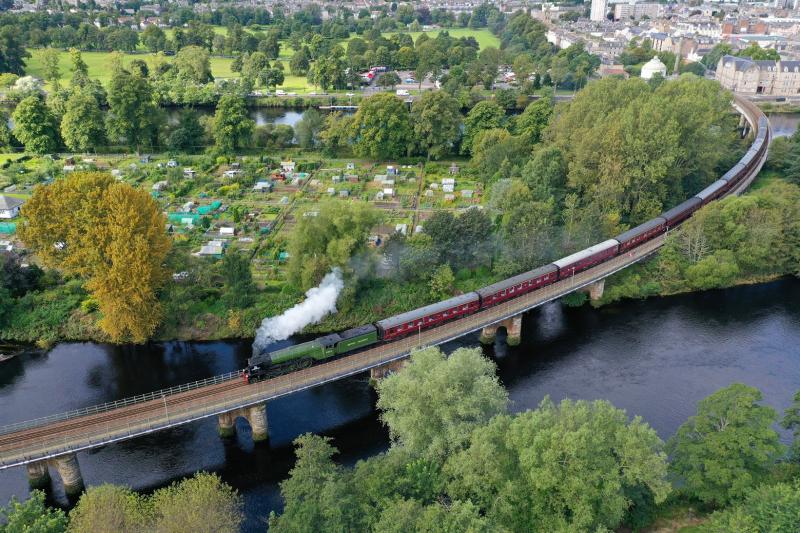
[269, 364]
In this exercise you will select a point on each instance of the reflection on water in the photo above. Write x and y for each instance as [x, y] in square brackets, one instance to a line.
[654, 358]
[784, 124]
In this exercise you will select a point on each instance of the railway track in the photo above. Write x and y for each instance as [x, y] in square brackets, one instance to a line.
[44, 439]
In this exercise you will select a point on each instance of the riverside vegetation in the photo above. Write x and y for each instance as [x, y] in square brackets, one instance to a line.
[460, 460]
[554, 179]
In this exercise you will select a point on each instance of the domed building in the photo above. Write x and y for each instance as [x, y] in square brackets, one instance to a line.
[653, 67]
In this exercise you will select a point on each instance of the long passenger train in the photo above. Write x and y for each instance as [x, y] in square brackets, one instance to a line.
[269, 364]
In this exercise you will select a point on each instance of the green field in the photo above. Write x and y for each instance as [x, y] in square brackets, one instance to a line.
[99, 63]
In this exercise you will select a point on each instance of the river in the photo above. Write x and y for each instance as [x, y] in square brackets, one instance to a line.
[655, 358]
[784, 124]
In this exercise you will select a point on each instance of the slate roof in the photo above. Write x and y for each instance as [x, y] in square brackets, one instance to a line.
[9, 202]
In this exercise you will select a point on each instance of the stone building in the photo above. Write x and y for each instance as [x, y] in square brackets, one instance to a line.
[770, 78]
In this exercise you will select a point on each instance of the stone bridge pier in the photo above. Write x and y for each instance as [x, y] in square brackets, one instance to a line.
[380, 372]
[68, 470]
[513, 328]
[256, 416]
[595, 290]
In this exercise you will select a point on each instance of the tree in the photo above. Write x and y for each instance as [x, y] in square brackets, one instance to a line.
[791, 421]
[441, 284]
[532, 122]
[726, 449]
[82, 126]
[239, 287]
[50, 58]
[189, 135]
[232, 125]
[382, 127]
[766, 508]
[32, 516]
[35, 126]
[462, 241]
[273, 77]
[337, 132]
[309, 127]
[108, 509]
[80, 70]
[485, 115]
[117, 244]
[132, 114]
[193, 63]
[757, 53]
[330, 239]
[437, 123]
[307, 495]
[154, 38]
[432, 406]
[388, 80]
[711, 59]
[202, 504]
[565, 467]
[12, 50]
[300, 63]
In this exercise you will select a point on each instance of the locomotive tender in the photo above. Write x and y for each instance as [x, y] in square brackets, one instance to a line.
[269, 364]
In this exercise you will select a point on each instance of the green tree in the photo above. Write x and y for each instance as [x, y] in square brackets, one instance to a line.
[32, 516]
[232, 125]
[201, 504]
[773, 508]
[757, 53]
[330, 239]
[12, 50]
[50, 58]
[309, 128]
[189, 135]
[388, 80]
[566, 467]
[132, 113]
[485, 115]
[437, 123]
[726, 449]
[310, 504]
[532, 122]
[441, 284]
[299, 63]
[791, 421]
[239, 288]
[154, 38]
[194, 63]
[382, 128]
[82, 126]
[35, 126]
[432, 406]
[109, 509]
[711, 59]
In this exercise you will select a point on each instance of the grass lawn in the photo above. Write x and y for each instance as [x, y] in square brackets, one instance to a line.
[99, 63]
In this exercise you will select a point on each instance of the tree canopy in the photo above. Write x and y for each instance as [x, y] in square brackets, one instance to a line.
[725, 450]
[381, 127]
[115, 240]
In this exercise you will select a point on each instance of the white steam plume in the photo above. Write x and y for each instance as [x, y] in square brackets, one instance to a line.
[319, 302]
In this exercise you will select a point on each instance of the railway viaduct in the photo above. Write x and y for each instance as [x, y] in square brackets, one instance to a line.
[54, 441]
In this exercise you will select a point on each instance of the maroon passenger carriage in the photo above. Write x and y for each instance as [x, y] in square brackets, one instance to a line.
[428, 316]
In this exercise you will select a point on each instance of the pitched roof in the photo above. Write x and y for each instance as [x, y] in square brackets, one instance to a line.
[9, 202]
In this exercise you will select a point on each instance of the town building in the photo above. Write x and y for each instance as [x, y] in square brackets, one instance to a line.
[636, 11]
[599, 10]
[769, 78]
[9, 206]
[653, 67]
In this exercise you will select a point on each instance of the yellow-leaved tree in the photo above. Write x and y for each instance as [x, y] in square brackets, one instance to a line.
[110, 234]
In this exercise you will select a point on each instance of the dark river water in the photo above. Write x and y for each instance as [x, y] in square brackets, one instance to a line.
[784, 124]
[654, 358]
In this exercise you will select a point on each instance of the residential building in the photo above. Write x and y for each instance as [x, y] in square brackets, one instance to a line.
[772, 78]
[599, 10]
[9, 206]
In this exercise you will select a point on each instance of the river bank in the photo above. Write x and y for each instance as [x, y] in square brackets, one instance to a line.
[654, 358]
